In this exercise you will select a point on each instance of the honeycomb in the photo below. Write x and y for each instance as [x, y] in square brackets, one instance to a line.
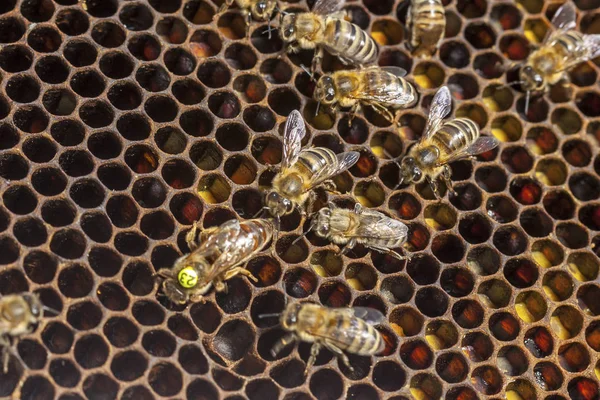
[124, 122]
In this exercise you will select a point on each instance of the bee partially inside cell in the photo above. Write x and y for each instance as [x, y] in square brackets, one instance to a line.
[426, 23]
[442, 143]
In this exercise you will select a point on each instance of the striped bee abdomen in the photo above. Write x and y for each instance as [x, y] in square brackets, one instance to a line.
[356, 336]
[376, 81]
[349, 42]
[571, 44]
[315, 159]
[455, 135]
[427, 23]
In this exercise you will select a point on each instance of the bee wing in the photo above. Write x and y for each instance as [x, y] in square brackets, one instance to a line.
[377, 225]
[344, 161]
[368, 314]
[292, 136]
[482, 145]
[592, 44]
[440, 107]
[324, 7]
[564, 19]
[399, 72]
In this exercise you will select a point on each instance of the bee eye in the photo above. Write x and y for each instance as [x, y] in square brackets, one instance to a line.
[417, 175]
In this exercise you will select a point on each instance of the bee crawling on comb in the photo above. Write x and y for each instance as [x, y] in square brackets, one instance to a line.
[216, 259]
[337, 329]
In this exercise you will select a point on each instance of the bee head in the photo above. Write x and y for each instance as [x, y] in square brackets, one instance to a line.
[35, 306]
[174, 291]
[325, 90]
[288, 27]
[321, 225]
[410, 171]
[289, 318]
[263, 9]
[531, 81]
[278, 205]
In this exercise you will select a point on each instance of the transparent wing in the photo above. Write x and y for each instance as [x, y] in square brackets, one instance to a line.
[592, 44]
[325, 7]
[399, 72]
[292, 137]
[440, 107]
[368, 314]
[344, 161]
[482, 145]
[564, 19]
[374, 224]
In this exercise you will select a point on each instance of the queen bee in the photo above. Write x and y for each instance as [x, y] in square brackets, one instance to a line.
[442, 143]
[216, 259]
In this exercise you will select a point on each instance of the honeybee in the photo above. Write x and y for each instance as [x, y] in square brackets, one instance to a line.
[426, 23]
[19, 314]
[562, 50]
[302, 171]
[217, 259]
[360, 226]
[378, 87]
[260, 10]
[336, 329]
[442, 143]
[326, 28]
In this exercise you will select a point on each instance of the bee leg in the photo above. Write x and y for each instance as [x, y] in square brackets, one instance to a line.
[191, 237]
[220, 285]
[383, 111]
[5, 352]
[358, 208]
[330, 187]
[317, 59]
[283, 343]
[339, 353]
[355, 108]
[446, 174]
[348, 247]
[240, 270]
[314, 352]
[249, 22]
[224, 7]
[435, 188]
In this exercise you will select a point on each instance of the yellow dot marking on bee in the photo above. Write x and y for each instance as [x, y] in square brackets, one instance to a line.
[188, 277]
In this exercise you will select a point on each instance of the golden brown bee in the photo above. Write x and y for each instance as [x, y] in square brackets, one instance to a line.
[562, 50]
[442, 143]
[360, 226]
[326, 28]
[19, 313]
[217, 259]
[303, 170]
[426, 24]
[260, 10]
[336, 329]
[379, 87]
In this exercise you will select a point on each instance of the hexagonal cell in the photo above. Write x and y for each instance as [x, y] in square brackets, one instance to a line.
[441, 334]
[428, 75]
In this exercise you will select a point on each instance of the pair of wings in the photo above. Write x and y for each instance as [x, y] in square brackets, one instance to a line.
[224, 239]
[386, 93]
[565, 19]
[294, 131]
[370, 315]
[374, 224]
[441, 105]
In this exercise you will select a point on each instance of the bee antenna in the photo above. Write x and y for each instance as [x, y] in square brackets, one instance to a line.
[312, 76]
[46, 308]
[395, 161]
[262, 210]
[515, 83]
[318, 107]
[269, 315]
[527, 97]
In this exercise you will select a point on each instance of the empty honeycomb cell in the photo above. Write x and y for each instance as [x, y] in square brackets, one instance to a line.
[33, 354]
[536, 223]
[276, 71]
[454, 54]
[31, 119]
[64, 372]
[149, 192]
[502, 209]
[10, 250]
[583, 75]
[9, 137]
[571, 235]
[59, 212]
[161, 108]
[96, 114]
[153, 78]
[91, 351]
[11, 29]
[240, 57]
[113, 296]
[131, 243]
[105, 145]
[128, 365]
[157, 225]
[19, 199]
[108, 34]
[57, 337]
[586, 297]
[30, 232]
[172, 30]
[98, 386]
[114, 176]
[72, 21]
[136, 17]
[137, 278]
[23, 88]
[37, 386]
[588, 103]
[457, 282]
[116, 65]
[8, 6]
[577, 153]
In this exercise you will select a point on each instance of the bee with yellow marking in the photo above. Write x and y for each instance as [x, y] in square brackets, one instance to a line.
[561, 51]
[382, 88]
[360, 226]
[260, 10]
[217, 259]
[19, 314]
[325, 28]
[442, 143]
[336, 329]
[426, 24]
[302, 171]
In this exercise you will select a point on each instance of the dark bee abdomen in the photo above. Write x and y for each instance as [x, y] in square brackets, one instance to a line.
[314, 159]
[570, 44]
[356, 336]
[348, 41]
[455, 135]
